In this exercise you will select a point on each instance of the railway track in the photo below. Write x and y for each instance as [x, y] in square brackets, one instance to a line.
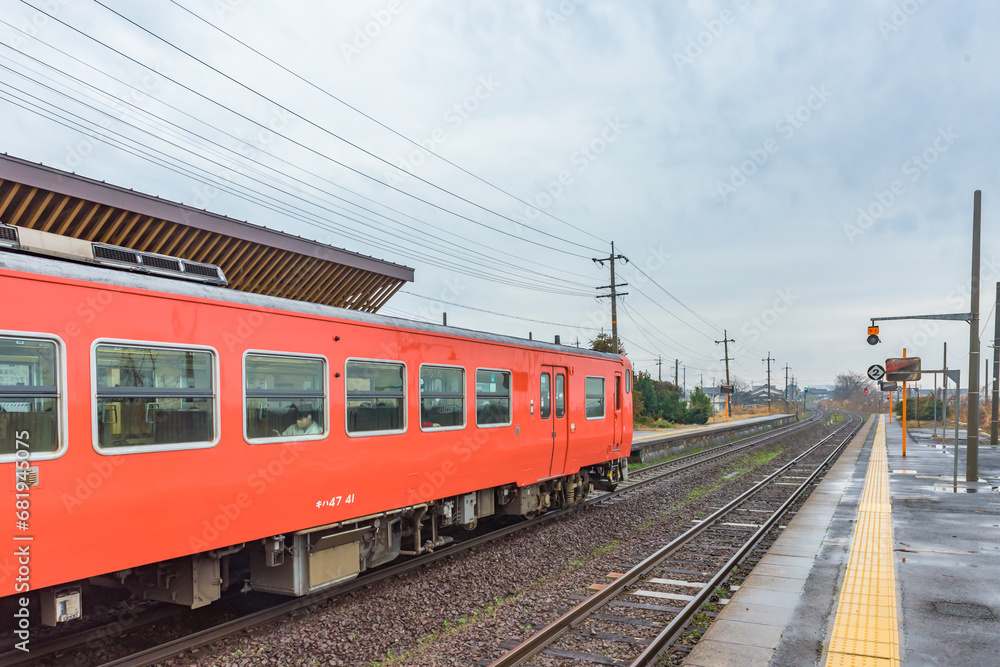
[112, 631]
[615, 625]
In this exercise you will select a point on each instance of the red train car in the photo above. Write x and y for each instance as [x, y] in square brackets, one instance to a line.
[173, 438]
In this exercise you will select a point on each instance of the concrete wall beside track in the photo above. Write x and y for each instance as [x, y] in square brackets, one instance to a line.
[649, 446]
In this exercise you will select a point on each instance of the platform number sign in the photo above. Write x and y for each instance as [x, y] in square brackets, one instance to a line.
[876, 372]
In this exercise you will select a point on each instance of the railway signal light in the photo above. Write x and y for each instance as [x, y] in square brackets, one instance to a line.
[873, 336]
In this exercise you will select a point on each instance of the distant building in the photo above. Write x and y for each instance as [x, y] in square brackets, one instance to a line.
[717, 397]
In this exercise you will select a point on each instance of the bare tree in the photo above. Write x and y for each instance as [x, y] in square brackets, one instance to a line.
[741, 391]
[850, 386]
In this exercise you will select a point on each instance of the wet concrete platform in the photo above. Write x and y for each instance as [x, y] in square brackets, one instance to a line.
[945, 555]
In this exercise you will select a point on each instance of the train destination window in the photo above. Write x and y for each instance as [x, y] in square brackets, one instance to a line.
[29, 396]
[153, 398]
[545, 397]
[442, 397]
[375, 397]
[285, 397]
[560, 395]
[492, 398]
[595, 398]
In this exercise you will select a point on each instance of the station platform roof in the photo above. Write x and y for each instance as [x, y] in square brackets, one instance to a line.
[254, 258]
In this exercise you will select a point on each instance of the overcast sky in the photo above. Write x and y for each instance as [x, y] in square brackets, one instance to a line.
[785, 170]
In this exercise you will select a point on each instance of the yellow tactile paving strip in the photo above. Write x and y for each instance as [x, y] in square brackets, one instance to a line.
[866, 629]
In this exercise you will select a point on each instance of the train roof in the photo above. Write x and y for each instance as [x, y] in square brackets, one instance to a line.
[25, 263]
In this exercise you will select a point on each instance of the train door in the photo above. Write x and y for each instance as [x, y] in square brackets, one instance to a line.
[552, 410]
[619, 400]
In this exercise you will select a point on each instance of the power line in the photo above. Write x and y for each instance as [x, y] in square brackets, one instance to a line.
[380, 123]
[143, 154]
[682, 304]
[475, 269]
[258, 162]
[493, 312]
[326, 131]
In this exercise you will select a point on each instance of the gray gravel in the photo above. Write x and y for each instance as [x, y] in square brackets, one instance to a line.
[460, 610]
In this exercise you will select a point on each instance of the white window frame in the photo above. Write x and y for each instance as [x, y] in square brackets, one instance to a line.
[326, 398]
[510, 398]
[171, 447]
[406, 411]
[62, 433]
[465, 399]
[604, 397]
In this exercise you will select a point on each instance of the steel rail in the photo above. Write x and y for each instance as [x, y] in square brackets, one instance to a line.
[736, 445]
[107, 632]
[210, 635]
[676, 626]
[545, 637]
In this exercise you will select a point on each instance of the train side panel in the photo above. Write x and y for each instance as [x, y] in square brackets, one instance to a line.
[99, 512]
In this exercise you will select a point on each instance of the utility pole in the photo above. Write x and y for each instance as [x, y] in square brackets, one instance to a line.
[659, 364]
[768, 360]
[787, 368]
[726, 340]
[972, 429]
[796, 401]
[684, 388]
[614, 294]
[677, 363]
[995, 418]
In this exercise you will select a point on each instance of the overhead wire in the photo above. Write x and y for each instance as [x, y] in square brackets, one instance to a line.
[255, 197]
[345, 231]
[676, 343]
[380, 123]
[359, 148]
[493, 312]
[332, 134]
[258, 162]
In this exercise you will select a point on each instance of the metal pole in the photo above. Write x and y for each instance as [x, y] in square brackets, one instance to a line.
[995, 421]
[972, 428]
[958, 397]
[935, 404]
[944, 396]
[904, 411]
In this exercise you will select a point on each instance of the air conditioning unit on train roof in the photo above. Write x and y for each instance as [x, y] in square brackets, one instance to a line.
[66, 247]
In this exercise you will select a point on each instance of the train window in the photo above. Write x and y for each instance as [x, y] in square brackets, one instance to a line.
[560, 395]
[595, 398]
[492, 398]
[442, 397]
[628, 380]
[618, 392]
[285, 397]
[545, 397]
[375, 397]
[154, 398]
[29, 397]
